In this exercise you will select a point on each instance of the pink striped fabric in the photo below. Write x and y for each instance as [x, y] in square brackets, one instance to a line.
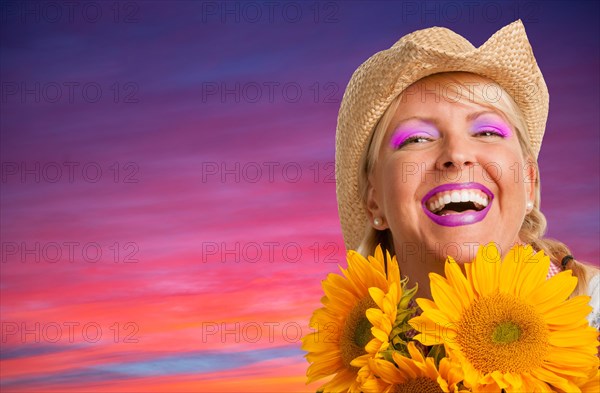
[553, 270]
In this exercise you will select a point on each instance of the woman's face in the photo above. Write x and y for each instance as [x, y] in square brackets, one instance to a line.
[450, 176]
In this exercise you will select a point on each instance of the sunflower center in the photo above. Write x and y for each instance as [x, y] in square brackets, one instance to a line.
[420, 384]
[357, 331]
[506, 333]
[501, 332]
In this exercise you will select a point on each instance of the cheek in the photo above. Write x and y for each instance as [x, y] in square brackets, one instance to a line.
[507, 171]
[400, 182]
[503, 167]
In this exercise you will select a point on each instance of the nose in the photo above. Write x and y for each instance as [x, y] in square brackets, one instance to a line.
[456, 152]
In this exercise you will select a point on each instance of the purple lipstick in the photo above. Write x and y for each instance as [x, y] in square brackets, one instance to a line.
[448, 194]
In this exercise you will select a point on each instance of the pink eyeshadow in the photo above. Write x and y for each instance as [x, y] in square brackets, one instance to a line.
[402, 134]
[499, 126]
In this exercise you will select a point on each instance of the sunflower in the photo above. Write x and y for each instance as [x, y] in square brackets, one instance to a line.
[507, 325]
[342, 327]
[593, 385]
[413, 374]
[390, 323]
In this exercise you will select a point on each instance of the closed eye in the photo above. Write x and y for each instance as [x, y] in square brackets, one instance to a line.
[414, 140]
[489, 133]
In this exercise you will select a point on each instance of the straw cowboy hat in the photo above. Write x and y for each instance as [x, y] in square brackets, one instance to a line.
[506, 58]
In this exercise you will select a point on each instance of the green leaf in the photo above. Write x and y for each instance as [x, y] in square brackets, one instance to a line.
[437, 352]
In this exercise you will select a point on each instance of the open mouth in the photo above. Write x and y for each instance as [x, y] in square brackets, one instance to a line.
[457, 204]
[458, 201]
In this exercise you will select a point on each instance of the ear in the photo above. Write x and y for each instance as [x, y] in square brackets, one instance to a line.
[374, 206]
[530, 173]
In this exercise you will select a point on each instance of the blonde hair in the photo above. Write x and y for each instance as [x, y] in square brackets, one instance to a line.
[534, 225]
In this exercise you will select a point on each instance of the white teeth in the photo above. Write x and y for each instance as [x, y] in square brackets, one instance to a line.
[464, 196]
[472, 195]
[442, 199]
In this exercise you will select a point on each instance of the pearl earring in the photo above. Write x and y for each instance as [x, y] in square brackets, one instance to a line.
[529, 206]
[377, 221]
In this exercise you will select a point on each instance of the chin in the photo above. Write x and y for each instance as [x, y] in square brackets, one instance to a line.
[462, 248]
[461, 253]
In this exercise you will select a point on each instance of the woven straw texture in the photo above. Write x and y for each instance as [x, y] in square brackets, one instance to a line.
[506, 58]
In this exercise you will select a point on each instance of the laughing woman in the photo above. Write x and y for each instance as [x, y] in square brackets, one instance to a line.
[436, 154]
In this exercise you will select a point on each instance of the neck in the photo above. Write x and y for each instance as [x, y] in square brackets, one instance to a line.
[416, 264]
[417, 270]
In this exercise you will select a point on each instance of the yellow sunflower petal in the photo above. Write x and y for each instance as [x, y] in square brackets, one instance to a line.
[553, 291]
[510, 269]
[574, 359]
[426, 304]
[593, 384]
[574, 309]
[532, 274]
[377, 295]
[498, 378]
[342, 283]
[380, 335]
[469, 272]
[533, 384]
[374, 315]
[444, 295]
[373, 346]
[415, 354]
[387, 371]
[431, 333]
[442, 322]
[458, 281]
[567, 371]
[407, 367]
[514, 381]
[554, 380]
[341, 382]
[378, 255]
[391, 300]
[486, 269]
[451, 372]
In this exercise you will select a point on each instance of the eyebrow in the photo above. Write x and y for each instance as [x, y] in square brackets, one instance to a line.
[475, 115]
[428, 120]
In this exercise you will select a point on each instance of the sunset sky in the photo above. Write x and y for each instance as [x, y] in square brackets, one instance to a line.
[168, 206]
